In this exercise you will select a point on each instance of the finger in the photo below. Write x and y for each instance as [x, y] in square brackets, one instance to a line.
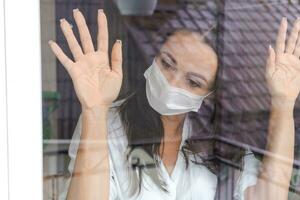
[116, 57]
[102, 37]
[297, 46]
[270, 66]
[85, 36]
[293, 37]
[280, 41]
[61, 56]
[71, 39]
[297, 49]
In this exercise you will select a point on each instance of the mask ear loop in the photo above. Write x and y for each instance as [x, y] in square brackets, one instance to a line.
[209, 93]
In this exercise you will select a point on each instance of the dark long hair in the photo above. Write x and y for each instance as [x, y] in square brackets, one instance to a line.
[144, 131]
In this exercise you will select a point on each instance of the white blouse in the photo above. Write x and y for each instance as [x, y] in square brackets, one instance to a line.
[195, 182]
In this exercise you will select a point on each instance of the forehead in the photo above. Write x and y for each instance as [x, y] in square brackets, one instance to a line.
[190, 50]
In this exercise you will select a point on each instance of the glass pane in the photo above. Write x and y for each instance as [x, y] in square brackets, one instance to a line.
[189, 112]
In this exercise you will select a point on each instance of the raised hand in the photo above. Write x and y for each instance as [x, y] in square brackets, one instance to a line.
[96, 82]
[283, 64]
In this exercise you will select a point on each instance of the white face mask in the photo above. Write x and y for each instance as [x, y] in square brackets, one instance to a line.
[166, 99]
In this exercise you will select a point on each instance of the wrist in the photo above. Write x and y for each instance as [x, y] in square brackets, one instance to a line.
[96, 112]
[283, 104]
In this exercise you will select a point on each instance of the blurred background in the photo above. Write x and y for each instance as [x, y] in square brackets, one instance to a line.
[240, 31]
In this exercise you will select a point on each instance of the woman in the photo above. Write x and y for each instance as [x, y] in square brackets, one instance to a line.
[122, 155]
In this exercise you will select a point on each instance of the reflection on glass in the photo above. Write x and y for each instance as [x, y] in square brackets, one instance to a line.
[183, 100]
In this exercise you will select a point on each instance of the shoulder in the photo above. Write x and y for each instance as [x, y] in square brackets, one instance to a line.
[117, 138]
[117, 142]
[251, 163]
[249, 174]
[114, 120]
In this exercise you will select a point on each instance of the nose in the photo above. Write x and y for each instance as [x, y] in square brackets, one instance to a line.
[174, 80]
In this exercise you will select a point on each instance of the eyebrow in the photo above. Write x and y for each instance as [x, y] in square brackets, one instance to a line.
[171, 57]
[197, 75]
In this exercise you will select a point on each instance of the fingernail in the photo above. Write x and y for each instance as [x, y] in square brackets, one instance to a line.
[50, 42]
[270, 49]
[75, 10]
[284, 19]
[119, 41]
[61, 20]
[100, 10]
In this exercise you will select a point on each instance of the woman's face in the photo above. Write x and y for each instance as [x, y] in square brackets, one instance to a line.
[188, 63]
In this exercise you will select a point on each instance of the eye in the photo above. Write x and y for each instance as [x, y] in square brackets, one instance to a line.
[166, 64]
[194, 84]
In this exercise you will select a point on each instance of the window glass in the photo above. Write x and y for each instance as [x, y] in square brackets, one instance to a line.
[192, 99]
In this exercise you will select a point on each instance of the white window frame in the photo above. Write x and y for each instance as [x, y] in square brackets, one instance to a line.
[20, 99]
[3, 116]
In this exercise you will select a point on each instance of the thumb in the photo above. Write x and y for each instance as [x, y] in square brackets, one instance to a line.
[116, 57]
[270, 65]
